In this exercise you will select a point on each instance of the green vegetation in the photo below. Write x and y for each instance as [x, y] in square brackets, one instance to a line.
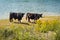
[44, 29]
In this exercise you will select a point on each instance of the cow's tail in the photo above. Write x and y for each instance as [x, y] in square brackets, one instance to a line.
[10, 17]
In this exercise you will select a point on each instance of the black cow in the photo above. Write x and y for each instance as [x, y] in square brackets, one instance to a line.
[33, 16]
[16, 16]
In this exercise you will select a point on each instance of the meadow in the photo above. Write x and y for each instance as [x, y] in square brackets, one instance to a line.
[46, 28]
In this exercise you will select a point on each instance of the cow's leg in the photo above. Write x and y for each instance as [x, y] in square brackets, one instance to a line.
[19, 21]
[11, 19]
[34, 21]
[29, 20]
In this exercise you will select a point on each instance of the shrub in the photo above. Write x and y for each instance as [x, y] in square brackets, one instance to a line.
[47, 26]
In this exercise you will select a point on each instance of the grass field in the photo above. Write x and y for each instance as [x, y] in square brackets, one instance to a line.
[46, 28]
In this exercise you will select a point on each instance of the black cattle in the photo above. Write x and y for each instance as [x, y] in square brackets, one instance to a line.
[16, 16]
[33, 16]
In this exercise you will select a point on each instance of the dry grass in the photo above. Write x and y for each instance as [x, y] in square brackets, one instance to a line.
[30, 30]
[6, 22]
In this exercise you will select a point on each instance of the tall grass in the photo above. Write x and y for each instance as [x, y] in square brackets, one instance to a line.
[46, 26]
[42, 30]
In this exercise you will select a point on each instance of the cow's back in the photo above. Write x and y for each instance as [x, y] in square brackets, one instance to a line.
[20, 15]
[31, 15]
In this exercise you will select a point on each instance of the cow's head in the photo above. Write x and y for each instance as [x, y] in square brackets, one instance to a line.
[23, 14]
[38, 16]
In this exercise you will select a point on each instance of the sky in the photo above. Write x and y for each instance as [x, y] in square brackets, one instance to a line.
[47, 7]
